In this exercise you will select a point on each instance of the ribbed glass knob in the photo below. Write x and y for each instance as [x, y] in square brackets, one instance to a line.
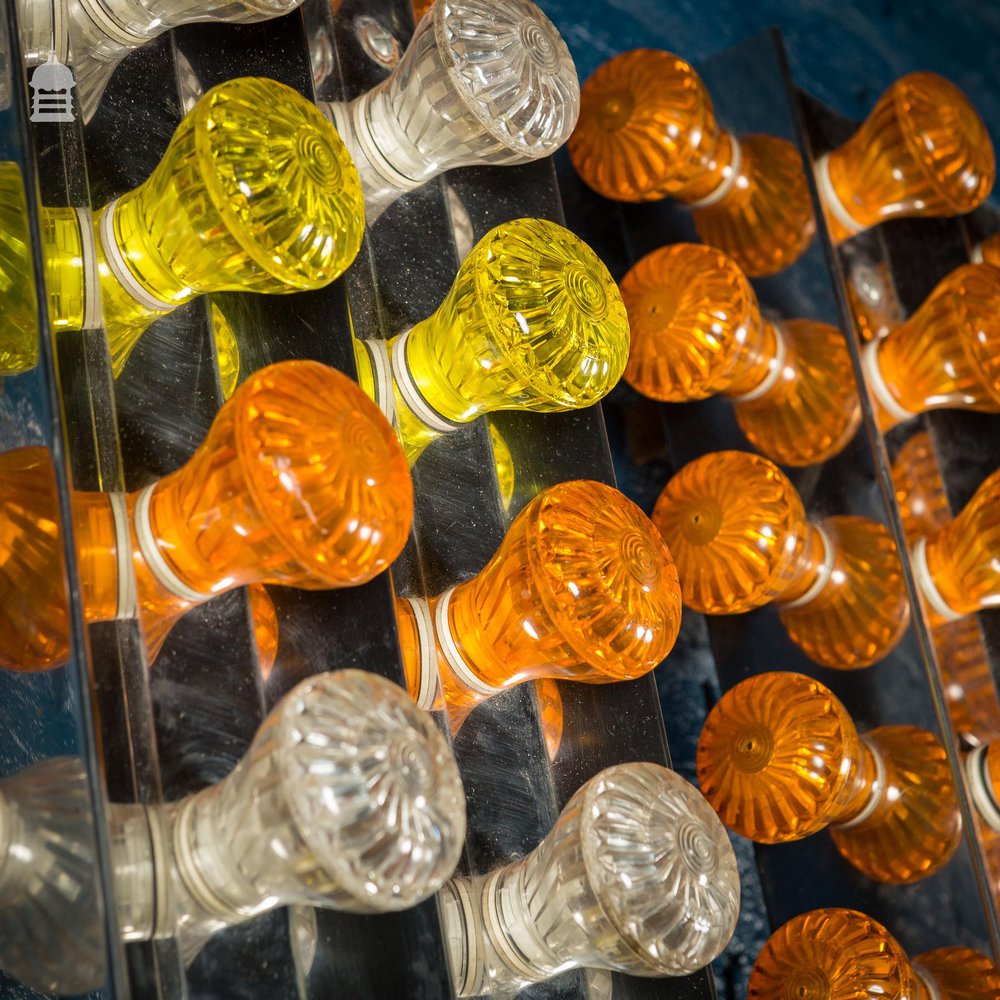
[256, 192]
[779, 758]
[300, 482]
[481, 82]
[582, 588]
[923, 151]
[739, 535]
[348, 798]
[647, 130]
[946, 355]
[696, 330]
[534, 321]
[103, 32]
[637, 875]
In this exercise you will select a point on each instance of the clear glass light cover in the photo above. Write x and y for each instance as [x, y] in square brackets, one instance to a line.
[581, 589]
[300, 482]
[481, 82]
[739, 535]
[696, 330]
[533, 321]
[780, 759]
[256, 192]
[637, 875]
[102, 32]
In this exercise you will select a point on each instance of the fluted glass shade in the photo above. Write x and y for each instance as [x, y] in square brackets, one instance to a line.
[533, 321]
[923, 151]
[18, 305]
[780, 759]
[103, 32]
[256, 192]
[481, 82]
[696, 330]
[300, 481]
[637, 875]
[956, 567]
[582, 588]
[739, 535]
[945, 356]
[647, 130]
[348, 798]
[833, 954]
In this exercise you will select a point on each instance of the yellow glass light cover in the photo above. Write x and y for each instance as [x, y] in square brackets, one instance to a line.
[533, 321]
[696, 330]
[647, 130]
[255, 193]
[779, 758]
[833, 954]
[227, 351]
[300, 482]
[923, 151]
[956, 568]
[581, 589]
[946, 355]
[18, 306]
[738, 533]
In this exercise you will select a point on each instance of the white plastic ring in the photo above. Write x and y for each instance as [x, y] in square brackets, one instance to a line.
[822, 577]
[927, 979]
[411, 394]
[828, 195]
[922, 574]
[127, 598]
[770, 380]
[451, 651]
[495, 929]
[111, 26]
[469, 973]
[93, 310]
[981, 788]
[873, 376]
[428, 682]
[159, 566]
[119, 266]
[877, 790]
[385, 398]
[728, 180]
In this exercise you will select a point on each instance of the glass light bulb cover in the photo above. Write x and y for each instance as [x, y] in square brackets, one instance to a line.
[740, 538]
[959, 973]
[919, 488]
[945, 355]
[923, 151]
[533, 321]
[833, 954]
[780, 759]
[103, 32]
[256, 192]
[18, 305]
[637, 875]
[481, 82]
[582, 588]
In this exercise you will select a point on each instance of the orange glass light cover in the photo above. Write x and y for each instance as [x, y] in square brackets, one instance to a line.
[920, 494]
[738, 533]
[264, 619]
[779, 758]
[582, 589]
[647, 130]
[988, 252]
[300, 481]
[923, 151]
[957, 568]
[833, 954]
[959, 973]
[946, 355]
[696, 330]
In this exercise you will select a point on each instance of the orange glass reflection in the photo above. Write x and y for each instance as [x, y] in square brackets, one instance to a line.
[779, 759]
[836, 953]
[647, 130]
[988, 252]
[739, 535]
[923, 151]
[300, 481]
[582, 589]
[946, 355]
[696, 330]
[264, 619]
